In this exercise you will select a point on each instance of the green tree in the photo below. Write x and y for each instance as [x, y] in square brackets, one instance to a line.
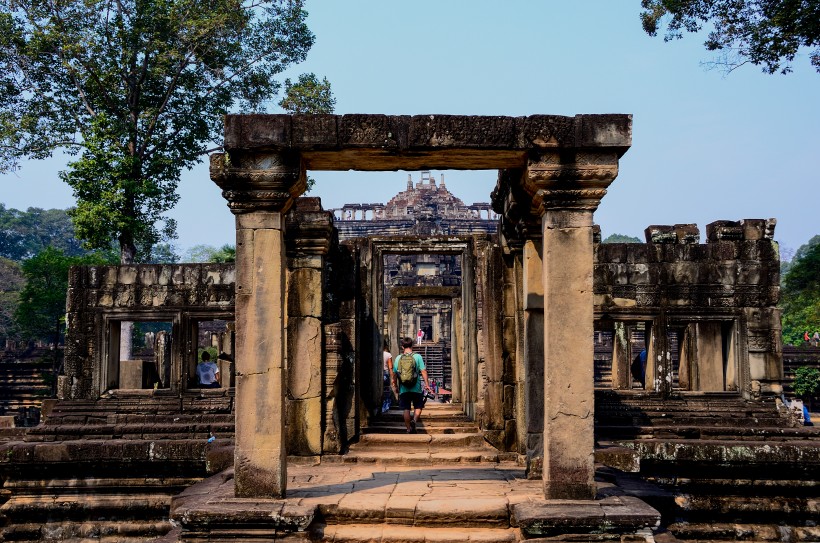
[209, 253]
[621, 238]
[308, 95]
[11, 283]
[135, 89]
[800, 293]
[767, 33]
[25, 233]
[40, 313]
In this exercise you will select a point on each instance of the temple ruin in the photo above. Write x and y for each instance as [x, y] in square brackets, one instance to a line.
[530, 323]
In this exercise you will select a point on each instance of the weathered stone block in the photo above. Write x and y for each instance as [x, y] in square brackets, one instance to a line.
[305, 292]
[127, 275]
[314, 131]
[658, 233]
[388, 131]
[461, 131]
[304, 357]
[304, 422]
[722, 250]
[753, 229]
[543, 131]
[249, 131]
[724, 231]
[603, 130]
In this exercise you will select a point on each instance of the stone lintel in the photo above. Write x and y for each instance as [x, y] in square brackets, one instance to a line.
[389, 142]
[425, 292]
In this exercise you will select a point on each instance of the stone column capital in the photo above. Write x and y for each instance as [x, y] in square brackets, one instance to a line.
[268, 181]
[569, 181]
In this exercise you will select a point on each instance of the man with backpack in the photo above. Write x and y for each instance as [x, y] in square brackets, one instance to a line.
[409, 372]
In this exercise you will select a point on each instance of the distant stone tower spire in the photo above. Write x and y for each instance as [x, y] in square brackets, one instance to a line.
[409, 181]
[442, 181]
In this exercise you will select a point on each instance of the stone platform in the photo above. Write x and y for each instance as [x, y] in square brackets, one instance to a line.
[361, 501]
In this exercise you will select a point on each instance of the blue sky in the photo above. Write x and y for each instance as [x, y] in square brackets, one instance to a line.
[706, 146]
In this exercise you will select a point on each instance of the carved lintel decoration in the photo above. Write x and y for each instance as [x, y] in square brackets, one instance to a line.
[263, 183]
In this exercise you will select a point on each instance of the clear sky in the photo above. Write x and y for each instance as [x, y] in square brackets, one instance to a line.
[706, 146]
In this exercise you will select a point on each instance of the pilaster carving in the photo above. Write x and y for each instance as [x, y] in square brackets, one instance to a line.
[266, 182]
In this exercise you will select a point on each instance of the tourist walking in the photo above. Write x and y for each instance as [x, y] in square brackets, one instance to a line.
[815, 339]
[409, 374]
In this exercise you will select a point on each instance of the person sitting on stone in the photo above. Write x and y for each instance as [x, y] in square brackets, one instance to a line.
[207, 372]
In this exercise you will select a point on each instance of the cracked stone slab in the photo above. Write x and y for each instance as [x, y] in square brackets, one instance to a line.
[611, 515]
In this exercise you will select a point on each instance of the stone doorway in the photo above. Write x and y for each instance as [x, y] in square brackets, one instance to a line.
[553, 173]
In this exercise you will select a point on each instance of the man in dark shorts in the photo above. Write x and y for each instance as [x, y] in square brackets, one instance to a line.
[410, 395]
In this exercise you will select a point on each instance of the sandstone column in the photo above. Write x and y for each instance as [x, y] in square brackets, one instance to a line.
[567, 188]
[259, 190]
[308, 242]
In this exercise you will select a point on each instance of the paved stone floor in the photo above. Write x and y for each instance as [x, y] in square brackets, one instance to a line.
[482, 494]
[359, 501]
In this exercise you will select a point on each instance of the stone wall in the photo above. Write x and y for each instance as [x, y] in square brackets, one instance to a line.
[719, 297]
[100, 297]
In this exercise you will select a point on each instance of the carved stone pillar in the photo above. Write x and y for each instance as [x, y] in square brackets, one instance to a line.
[566, 189]
[259, 190]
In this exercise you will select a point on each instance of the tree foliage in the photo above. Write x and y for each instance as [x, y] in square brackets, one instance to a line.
[621, 238]
[767, 33]
[11, 282]
[209, 253]
[135, 90]
[308, 95]
[25, 233]
[806, 382]
[43, 298]
[800, 293]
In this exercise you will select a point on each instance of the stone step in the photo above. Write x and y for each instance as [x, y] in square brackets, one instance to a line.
[399, 428]
[384, 533]
[773, 433]
[705, 532]
[408, 441]
[104, 531]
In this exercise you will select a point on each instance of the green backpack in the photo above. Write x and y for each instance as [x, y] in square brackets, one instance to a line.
[408, 370]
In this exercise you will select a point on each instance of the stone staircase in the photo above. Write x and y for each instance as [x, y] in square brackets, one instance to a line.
[23, 386]
[718, 468]
[444, 435]
[443, 484]
[106, 470]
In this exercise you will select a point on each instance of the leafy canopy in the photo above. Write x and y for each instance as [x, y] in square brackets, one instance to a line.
[11, 282]
[621, 238]
[25, 233]
[800, 293]
[209, 253]
[806, 382]
[308, 95]
[42, 304]
[135, 90]
[767, 33]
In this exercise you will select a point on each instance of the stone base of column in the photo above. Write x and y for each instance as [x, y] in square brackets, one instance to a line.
[559, 490]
